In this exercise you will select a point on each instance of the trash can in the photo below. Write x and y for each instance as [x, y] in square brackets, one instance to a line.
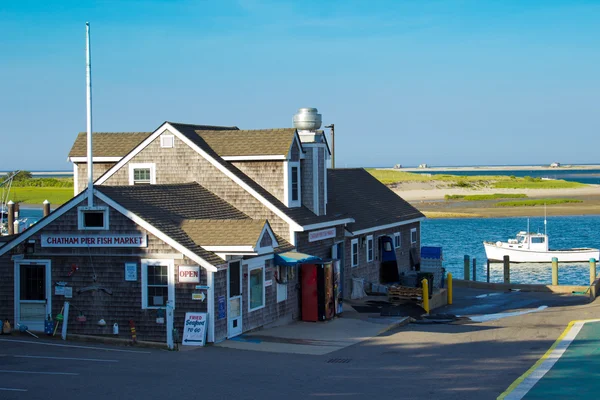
[429, 277]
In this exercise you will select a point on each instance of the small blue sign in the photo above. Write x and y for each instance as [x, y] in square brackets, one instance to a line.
[202, 287]
[222, 308]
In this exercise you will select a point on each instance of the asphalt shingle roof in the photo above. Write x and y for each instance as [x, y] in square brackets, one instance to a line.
[269, 142]
[371, 203]
[108, 144]
[241, 232]
[301, 215]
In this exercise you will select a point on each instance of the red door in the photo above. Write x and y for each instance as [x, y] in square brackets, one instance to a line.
[310, 308]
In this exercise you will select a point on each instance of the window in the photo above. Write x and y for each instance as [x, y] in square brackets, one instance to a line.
[158, 285]
[92, 218]
[292, 184]
[369, 248]
[354, 247]
[397, 240]
[413, 235]
[256, 288]
[537, 240]
[295, 184]
[142, 174]
[167, 141]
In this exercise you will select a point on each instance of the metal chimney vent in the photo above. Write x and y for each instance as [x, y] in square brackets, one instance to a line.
[307, 119]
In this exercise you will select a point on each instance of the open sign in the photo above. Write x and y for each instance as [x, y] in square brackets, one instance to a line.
[189, 274]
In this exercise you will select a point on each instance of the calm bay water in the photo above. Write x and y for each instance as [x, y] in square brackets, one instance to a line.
[460, 237]
[588, 176]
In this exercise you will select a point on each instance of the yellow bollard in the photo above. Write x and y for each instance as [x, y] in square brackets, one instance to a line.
[425, 286]
[449, 288]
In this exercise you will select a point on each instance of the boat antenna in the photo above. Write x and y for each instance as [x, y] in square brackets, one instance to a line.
[88, 78]
[528, 238]
[545, 230]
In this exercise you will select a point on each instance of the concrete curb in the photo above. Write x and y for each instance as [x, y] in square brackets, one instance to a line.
[117, 341]
[559, 289]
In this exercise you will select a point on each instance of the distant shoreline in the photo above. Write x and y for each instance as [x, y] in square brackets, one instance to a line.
[498, 168]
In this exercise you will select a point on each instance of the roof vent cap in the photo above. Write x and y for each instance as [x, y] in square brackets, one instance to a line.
[307, 119]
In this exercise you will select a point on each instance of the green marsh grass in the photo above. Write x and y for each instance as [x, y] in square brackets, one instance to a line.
[534, 203]
[482, 197]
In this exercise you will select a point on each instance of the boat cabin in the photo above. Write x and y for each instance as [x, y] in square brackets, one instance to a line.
[529, 240]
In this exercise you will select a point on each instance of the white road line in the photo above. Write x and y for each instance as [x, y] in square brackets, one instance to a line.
[37, 372]
[69, 358]
[13, 390]
[75, 347]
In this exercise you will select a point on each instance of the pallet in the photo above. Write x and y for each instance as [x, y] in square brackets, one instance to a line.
[401, 293]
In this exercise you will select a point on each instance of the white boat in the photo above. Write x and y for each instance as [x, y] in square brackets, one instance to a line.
[533, 247]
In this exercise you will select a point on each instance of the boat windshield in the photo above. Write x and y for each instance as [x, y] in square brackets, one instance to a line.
[520, 238]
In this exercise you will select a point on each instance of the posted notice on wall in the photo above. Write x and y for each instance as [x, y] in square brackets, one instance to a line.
[195, 329]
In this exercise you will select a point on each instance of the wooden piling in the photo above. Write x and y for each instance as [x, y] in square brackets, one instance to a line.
[475, 269]
[467, 267]
[506, 269]
[554, 271]
[46, 208]
[592, 270]
[488, 271]
[11, 218]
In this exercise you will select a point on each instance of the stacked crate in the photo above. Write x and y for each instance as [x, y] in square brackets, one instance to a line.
[431, 261]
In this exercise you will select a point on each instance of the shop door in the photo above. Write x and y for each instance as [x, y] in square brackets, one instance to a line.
[33, 293]
[234, 301]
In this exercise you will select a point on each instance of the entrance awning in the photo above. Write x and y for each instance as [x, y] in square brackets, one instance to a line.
[293, 258]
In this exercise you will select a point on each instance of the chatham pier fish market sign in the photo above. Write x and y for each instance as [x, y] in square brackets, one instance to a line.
[132, 240]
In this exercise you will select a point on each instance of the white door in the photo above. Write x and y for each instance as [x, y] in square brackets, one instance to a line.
[33, 293]
[234, 301]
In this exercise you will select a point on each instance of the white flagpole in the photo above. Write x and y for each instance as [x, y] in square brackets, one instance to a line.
[88, 77]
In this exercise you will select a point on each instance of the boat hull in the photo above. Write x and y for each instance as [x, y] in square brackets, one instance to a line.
[494, 252]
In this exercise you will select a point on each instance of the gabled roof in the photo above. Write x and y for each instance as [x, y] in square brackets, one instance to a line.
[213, 232]
[108, 144]
[371, 203]
[262, 142]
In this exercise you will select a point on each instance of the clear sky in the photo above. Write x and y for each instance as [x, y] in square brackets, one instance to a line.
[465, 82]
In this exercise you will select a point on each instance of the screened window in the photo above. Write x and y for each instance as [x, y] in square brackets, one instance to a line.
[413, 235]
[256, 285]
[354, 252]
[158, 285]
[369, 248]
[397, 242]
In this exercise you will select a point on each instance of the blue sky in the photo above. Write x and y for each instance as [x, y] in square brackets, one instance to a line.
[437, 82]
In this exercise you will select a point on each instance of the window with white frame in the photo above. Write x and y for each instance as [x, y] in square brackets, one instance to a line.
[256, 287]
[167, 141]
[413, 235]
[158, 283]
[142, 174]
[354, 247]
[294, 185]
[369, 248]
[397, 241]
[92, 218]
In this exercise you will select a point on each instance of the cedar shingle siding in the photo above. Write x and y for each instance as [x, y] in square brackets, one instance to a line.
[268, 174]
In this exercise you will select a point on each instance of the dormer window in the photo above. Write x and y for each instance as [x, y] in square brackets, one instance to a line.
[293, 186]
[142, 174]
[92, 218]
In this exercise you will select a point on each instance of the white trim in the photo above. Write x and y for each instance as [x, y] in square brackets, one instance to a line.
[264, 289]
[145, 262]
[17, 288]
[254, 158]
[75, 179]
[44, 222]
[370, 240]
[150, 166]
[413, 230]
[325, 193]
[152, 229]
[352, 243]
[381, 227]
[230, 249]
[315, 183]
[162, 141]
[397, 235]
[286, 185]
[95, 159]
[210, 159]
[301, 153]
[267, 229]
[210, 280]
[327, 224]
[287, 182]
[292, 237]
[82, 209]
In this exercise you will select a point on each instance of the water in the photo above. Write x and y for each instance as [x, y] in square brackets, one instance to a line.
[458, 237]
[587, 176]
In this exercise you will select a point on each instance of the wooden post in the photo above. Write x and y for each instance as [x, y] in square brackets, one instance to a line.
[475, 269]
[11, 218]
[506, 269]
[467, 267]
[449, 288]
[488, 271]
[425, 286]
[592, 270]
[554, 271]
[46, 208]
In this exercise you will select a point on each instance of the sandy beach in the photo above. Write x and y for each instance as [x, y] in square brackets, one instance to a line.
[500, 168]
[428, 197]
